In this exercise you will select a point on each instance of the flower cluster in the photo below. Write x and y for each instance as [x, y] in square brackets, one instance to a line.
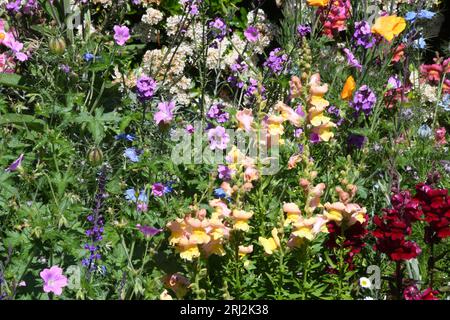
[96, 220]
[335, 16]
[435, 205]
[321, 124]
[190, 232]
[393, 228]
[347, 223]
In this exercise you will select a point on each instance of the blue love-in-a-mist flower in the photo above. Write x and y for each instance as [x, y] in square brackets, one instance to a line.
[131, 154]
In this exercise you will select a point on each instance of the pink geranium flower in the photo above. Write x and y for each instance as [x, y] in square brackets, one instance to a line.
[251, 34]
[121, 34]
[165, 112]
[54, 280]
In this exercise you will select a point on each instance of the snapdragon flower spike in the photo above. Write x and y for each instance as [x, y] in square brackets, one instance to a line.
[393, 228]
[96, 222]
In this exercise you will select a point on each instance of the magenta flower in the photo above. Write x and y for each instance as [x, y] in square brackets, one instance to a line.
[148, 231]
[54, 280]
[16, 164]
[165, 113]
[251, 34]
[218, 138]
[121, 34]
[158, 189]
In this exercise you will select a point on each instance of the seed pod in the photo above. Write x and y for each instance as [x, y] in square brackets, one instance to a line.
[57, 46]
[95, 156]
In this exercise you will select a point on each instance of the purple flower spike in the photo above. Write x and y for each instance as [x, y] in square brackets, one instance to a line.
[16, 164]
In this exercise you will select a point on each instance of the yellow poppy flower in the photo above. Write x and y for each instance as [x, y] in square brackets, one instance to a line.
[349, 88]
[318, 3]
[389, 26]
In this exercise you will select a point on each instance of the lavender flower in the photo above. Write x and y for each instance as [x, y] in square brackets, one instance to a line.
[216, 112]
[276, 61]
[218, 29]
[364, 100]
[148, 231]
[16, 164]
[146, 87]
[351, 59]
[363, 35]
[224, 172]
[218, 138]
[303, 30]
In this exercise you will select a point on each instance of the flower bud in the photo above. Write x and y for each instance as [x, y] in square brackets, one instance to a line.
[95, 156]
[57, 46]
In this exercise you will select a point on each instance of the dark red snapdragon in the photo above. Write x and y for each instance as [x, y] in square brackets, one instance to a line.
[435, 204]
[393, 228]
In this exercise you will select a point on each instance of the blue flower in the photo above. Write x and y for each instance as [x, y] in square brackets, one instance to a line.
[445, 103]
[420, 43]
[88, 56]
[168, 187]
[425, 131]
[131, 154]
[220, 193]
[411, 16]
[125, 136]
[425, 14]
[130, 195]
[143, 196]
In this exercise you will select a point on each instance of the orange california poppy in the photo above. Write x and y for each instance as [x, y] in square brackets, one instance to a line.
[389, 26]
[318, 3]
[349, 87]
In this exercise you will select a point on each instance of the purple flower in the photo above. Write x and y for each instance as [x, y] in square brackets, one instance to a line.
[216, 112]
[218, 138]
[351, 60]
[165, 113]
[121, 34]
[148, 231]
[54, 280]
[190, 129]
[218, 28]
[314, 138]
[251, 34]
[363, 100]
[303, 30]
[64, 68]
[394, 82]
[224, 172]
[363, 35]
[334, 111]
[298, 133]
[300, 111]
[276, 61]
[16, 164]
[146, 87]
[356, 140]
[158, 189]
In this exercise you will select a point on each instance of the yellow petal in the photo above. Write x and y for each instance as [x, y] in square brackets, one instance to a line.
[389, 26]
